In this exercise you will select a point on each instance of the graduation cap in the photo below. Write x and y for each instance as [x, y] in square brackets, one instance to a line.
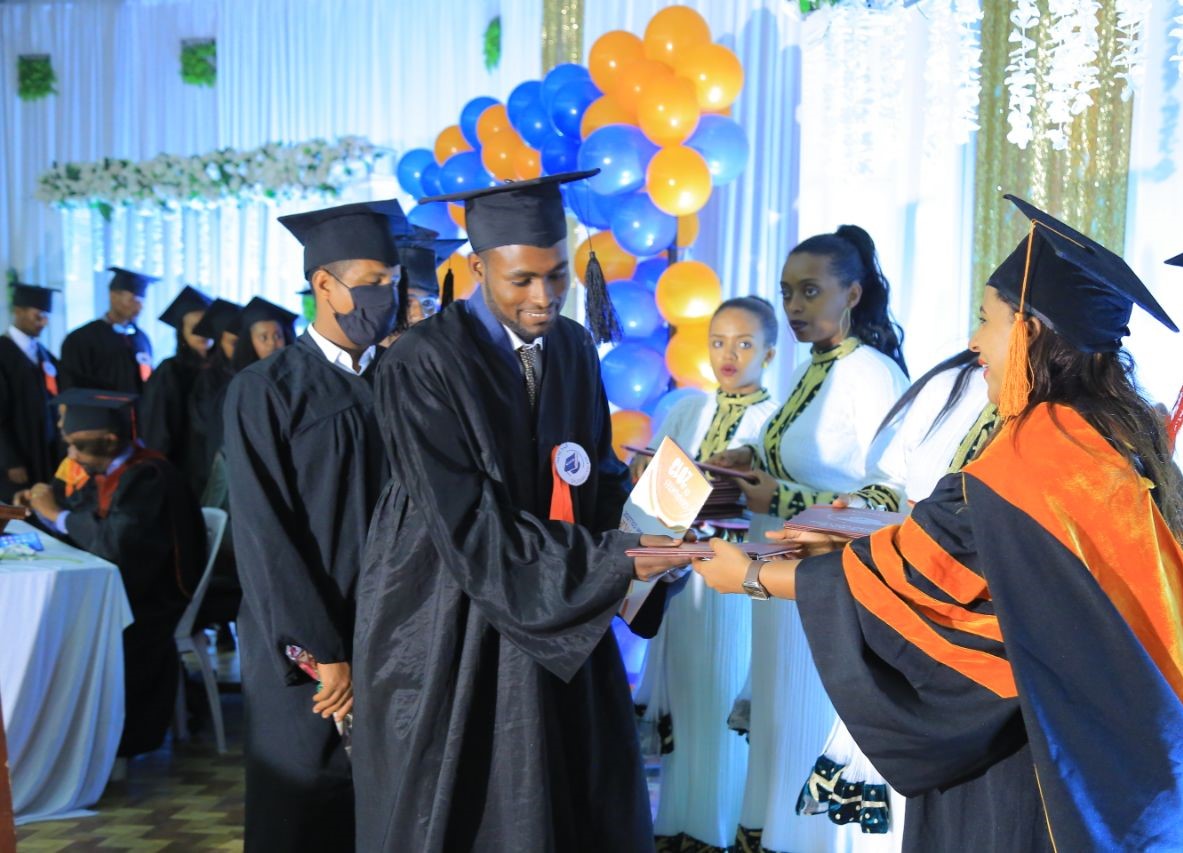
[188, 300]
[259, 310]
[92, 409]
[32, 296]
[1085, 292]
[530, 213]
[221, 316]
[1176, 261]
[420, 254]
[130, 280]
[349, 232]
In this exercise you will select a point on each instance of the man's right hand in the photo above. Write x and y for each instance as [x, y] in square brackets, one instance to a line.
[18, 476]
[651, 568]
[335, 697]
[737, 459]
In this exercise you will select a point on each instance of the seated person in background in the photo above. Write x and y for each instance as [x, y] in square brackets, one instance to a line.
[137, 511]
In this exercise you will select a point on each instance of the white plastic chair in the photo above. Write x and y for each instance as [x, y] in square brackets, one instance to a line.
[197, 643]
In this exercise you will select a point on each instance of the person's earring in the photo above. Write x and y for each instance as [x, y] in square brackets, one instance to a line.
[844, 325]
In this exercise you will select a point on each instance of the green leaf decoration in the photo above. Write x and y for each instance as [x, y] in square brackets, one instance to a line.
[493, 44]
[808, 6]
[199, 62]
[35, 78]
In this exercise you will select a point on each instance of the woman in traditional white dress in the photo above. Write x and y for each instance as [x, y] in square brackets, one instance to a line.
[811, 451]
[933, 430]
[698, 660]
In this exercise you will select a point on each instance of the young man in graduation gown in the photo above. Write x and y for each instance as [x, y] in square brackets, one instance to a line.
[493, 710]
[29, 441]
[165, 420]
[136, 511]
[421, 254]
[1011, 656]
[111, 353]
[305, 466]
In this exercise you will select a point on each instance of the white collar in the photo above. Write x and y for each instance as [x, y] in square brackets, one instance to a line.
[517, 343]
[27, 344]
[338, 356]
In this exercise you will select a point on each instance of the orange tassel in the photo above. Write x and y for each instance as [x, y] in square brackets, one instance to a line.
[1016, 383]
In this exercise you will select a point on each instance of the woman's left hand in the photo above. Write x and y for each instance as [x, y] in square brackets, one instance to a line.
[725, 571]
[759, 495]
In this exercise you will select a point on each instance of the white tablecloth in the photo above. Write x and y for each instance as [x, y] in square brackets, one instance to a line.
[62, 615]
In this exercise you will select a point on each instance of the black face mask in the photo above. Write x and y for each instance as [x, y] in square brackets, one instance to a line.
[373, 316]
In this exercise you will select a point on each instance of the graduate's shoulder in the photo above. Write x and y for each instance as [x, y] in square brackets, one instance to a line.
[867, 366]
[578, 337]
[445, 335]
[87, 332]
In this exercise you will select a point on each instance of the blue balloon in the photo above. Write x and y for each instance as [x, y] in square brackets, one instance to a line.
[534, 125]
[648, 272]
[559, 154]
[559, 78]
[636, 308]
[569, 104]
[435, 217]
[410, 170]
[592, 209]
[429, 179]
[724, 145]
[523, 96]
[464, 172]
[632, 375]
[621, 153]
[469, 115]
[667, 402]
[659, 340]
[641, 229]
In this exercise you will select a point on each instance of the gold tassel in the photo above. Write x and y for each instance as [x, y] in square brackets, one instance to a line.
[1016, 382]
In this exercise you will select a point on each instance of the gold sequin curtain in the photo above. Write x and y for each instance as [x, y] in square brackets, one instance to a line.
[562, 32]
[1085, 184]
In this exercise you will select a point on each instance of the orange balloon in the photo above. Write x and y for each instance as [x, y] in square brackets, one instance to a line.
[463, 282]
[493, 120]
[687, 230]
[602, 112]
[456, 211]
[726, 112]
[674, 32]
[450, 141]
[716, 73]
[630, 427]
[527, 162]
[637, 78]
[678, 180]
[668, 112]
[687, 356]
[688, 292]
[499, 154]
[608, 56]
[616, 262]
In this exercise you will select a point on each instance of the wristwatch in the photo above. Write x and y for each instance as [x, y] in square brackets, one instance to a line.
[751, 582]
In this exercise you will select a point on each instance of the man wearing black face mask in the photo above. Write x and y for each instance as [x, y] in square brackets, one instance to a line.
[306, 465]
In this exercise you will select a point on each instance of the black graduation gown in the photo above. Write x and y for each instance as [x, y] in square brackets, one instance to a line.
[155, 534]
[165, 422]
[28, 429]
[206, 401]
[305, 466]
[96, 356]
[492, 706]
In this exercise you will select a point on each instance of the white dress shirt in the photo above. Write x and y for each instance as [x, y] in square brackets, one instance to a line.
[340, 357]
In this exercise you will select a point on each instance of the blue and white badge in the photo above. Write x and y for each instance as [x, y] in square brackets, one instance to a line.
[572, 464]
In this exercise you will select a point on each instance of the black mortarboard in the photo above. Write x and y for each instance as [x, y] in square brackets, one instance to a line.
[1083, 290]
[349, 232]
[221, 316]
[259, 310]
[89, 408]
[188, 300]
[1176, 261]
[130, 280]
[530, 213]
[32, 296]
[421, 253]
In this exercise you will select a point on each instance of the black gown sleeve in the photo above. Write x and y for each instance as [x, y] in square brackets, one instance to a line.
[76, 354]
[550, 587]
[163, 410]
[278, 565]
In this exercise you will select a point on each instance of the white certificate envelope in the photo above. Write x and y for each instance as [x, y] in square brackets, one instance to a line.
[665, 501]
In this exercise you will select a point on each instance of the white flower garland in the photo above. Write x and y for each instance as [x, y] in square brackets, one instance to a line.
[1020, 73]
[271, 173]
[1130, 61]
[1177, 34]
[968, 16]
[952, 72]
[1072, 73]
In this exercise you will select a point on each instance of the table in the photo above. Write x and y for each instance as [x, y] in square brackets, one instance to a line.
[62, 614]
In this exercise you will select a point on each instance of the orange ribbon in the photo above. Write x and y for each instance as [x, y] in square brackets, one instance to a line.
[561, 508]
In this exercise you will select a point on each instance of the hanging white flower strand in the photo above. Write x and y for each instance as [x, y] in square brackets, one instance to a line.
[1130, 62]
[1020, 73]
[968, 16]
[1072, 71]
[1177, 34]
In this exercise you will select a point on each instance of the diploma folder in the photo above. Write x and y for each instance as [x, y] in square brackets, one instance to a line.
[852, 523]
[699, 550]
[665, 501]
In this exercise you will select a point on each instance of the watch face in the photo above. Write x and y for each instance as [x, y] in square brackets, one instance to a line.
[755, 590]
